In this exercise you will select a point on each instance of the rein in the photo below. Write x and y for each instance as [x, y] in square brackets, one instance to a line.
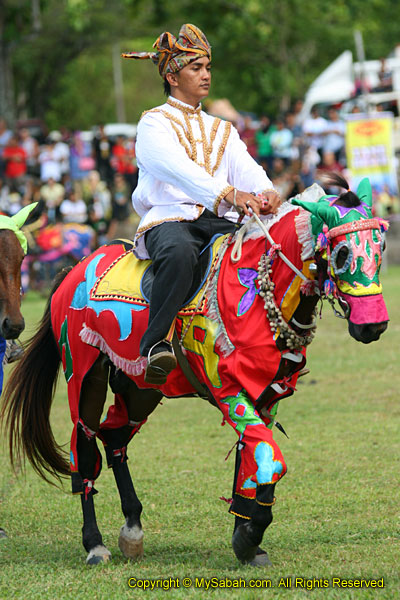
[237, 248]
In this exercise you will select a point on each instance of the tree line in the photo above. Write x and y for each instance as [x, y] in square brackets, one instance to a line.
[56, 55]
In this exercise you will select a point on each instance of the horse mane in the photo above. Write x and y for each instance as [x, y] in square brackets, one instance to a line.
[347, 198]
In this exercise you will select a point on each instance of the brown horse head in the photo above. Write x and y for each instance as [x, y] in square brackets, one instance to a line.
[13, 247]
[11, 320]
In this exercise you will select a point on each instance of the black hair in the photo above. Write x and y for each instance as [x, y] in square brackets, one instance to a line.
[167, 88]
[347, 198]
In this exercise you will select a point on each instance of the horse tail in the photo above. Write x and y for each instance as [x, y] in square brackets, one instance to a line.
[28, 397]
[348, 198]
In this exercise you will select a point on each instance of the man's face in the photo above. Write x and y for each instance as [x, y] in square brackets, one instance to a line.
[194, 80]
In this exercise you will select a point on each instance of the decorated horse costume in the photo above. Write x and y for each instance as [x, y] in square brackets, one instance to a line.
[244, 334]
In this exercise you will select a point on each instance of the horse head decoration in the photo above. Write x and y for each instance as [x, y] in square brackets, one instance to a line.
[353, 242]
[244, 333]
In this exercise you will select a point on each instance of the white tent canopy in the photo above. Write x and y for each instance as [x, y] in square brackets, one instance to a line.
[334, 84]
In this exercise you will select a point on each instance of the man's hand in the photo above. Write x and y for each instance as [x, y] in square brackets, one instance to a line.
[245, 201]
[271, 201]
[265, 203]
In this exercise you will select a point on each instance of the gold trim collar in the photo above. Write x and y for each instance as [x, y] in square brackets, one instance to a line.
[185, 108]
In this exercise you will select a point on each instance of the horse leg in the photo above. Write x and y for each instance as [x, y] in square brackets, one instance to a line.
[259, 465]
[261, 558]
[92, 399]
[136, 405]
[248, 533]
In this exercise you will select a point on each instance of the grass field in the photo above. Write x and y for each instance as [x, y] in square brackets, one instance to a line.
[337, 513]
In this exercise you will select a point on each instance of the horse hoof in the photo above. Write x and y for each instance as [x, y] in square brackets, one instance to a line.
[2, 533]
[130, 542]
[242, 546]
[261, 559]
[98, 554]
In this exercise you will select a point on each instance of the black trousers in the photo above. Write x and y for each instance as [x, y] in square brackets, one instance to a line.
[175, 247]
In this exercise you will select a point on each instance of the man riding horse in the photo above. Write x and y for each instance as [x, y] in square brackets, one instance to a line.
[193, 172]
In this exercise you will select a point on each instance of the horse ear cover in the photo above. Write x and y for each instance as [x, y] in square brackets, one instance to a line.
[21, 216]
[320, 209]
[364, 191]
[15, 223]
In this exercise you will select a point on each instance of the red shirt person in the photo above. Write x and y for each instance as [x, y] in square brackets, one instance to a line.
[15, 158]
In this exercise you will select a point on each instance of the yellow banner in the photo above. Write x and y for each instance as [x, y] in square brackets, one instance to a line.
[369, 145]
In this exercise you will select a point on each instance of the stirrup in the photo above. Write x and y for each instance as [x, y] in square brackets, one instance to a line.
[160, 365]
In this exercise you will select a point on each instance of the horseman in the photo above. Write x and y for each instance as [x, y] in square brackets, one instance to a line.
[194, 171]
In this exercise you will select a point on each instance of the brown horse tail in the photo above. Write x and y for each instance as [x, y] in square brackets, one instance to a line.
[27, 401]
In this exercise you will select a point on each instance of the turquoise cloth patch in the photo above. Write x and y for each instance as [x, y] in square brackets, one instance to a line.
[267, 466]
[121, 310]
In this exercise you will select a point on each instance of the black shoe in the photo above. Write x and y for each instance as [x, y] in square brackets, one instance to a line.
[161, 361]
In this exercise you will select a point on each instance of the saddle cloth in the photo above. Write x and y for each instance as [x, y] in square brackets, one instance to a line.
[129, 279]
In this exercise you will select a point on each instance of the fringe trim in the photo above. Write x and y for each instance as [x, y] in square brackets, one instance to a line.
[130, 367]
[222, 340]
[302, 223]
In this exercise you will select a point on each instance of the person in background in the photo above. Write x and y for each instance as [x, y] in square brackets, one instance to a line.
[120, 226]
[97, 197]
[314, 129]
[298, 113]
[334, 134]
[61, 150]
[281, 141]
[52, 193]
[50, 165]
[309, 162]
[31, 147]
[73, 209]
[263, 142]
[123, 160]
[15, 158]
[297, 132]
[14, 200]
[80, 158]
[248, 136]
[4, 194]
[102, 148]
[5, 135]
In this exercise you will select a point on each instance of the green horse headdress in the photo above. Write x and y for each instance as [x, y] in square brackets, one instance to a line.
[353, 241]
[16, 222]
[325, 211]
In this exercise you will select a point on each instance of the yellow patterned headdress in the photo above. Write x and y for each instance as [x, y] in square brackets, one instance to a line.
[173, 54]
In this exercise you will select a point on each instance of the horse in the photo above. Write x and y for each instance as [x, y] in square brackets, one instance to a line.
[13, 247]
[243, 332]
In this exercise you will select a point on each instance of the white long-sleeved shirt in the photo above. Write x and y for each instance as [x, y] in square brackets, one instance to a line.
[188, 161]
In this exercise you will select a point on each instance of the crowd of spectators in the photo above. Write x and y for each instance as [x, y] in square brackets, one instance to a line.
[73, 180]
[297, 151]
[91, 182]
[294, 151]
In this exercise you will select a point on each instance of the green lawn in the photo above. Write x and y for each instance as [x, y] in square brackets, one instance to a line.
[337, 513]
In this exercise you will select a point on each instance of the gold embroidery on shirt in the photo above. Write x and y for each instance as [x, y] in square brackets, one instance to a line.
[142, 230]
[190, 136]
[185, 109]
[222, 146]
[187, 130]
[221, 196]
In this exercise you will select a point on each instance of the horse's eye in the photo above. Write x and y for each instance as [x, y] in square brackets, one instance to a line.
[341, 257]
